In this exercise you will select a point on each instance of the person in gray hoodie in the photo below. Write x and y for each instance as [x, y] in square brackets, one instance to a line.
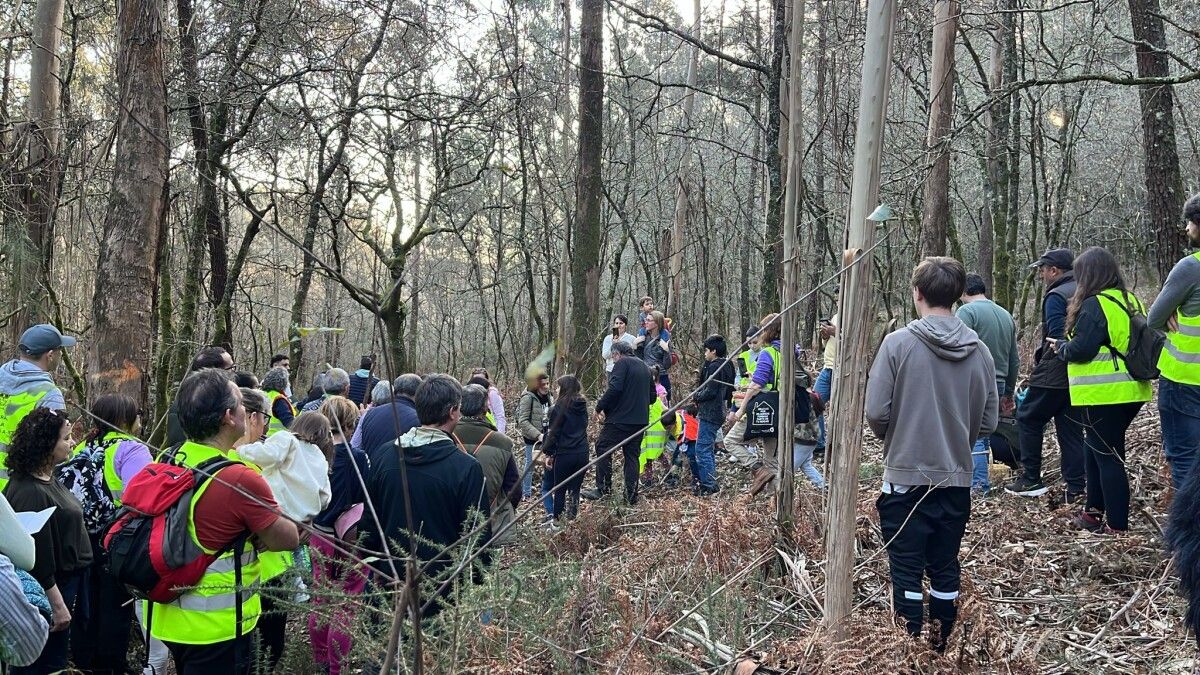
[930, 395]
[25, 382]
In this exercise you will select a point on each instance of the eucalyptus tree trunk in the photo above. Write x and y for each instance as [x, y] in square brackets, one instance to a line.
[34, 247]
[123, 303]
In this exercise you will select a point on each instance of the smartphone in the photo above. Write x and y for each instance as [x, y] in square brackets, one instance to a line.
[826, 322]
[615, 332]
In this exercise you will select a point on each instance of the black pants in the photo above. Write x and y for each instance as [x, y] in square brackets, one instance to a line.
[272, 625]
[1107, 482]
[610, 436]
[100, 641]
[926, 545]
[231, 657]
[566, 495]
[1039, 407]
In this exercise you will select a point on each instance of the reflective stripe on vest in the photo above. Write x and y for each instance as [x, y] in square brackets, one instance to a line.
[276, 424]
[112, 479]
[1105, 380]
[654, 441]
[208, 613]
[1180, 358]
[13, 409]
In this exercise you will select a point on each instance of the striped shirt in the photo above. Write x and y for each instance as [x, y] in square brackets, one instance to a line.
[23, 631]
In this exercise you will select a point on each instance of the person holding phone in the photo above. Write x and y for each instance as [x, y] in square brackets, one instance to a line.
[619, 333]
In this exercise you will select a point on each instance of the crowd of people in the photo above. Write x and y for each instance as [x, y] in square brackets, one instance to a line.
[292, 494]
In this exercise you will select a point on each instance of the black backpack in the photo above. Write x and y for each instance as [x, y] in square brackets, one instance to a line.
[1145, 345]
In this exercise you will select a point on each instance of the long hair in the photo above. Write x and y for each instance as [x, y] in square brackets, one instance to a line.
[1183, 539]
[112, 412]
[1095, 270]
[569, 389]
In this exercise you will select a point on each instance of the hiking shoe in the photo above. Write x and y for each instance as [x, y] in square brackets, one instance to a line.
[1088, 521]
[762, 478]
[1023, 487]
[591, 495]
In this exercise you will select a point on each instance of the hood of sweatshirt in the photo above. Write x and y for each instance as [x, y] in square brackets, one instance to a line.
[18, 376]
[946, 336]
[363, 373]
[423, 445]
[578, 406]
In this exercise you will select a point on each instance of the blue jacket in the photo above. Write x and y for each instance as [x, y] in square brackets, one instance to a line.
[379, 425]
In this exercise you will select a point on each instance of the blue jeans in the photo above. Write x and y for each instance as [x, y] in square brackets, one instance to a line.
[981, 456]
[527, 472]
[706, 460]
[824, 388]
[1179, 410]
[548, 492]
[802, 459]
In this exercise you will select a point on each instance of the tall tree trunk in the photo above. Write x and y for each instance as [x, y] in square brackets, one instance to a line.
[996, 180]
[816, 259]
[34, 250]
[1005, 228]
[683, 176]
[562, 331]
[794, 195]
[123, 302]
[585, 258]
[855, 318]
[935, 213]
[1164, 184]
[769, 292]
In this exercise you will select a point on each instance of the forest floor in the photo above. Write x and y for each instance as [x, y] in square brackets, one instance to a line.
[681, 584]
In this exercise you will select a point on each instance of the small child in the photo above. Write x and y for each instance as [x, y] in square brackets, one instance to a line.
[688, 429]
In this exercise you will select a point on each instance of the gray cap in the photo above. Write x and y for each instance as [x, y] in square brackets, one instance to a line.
[39, 339]
[1062, 258]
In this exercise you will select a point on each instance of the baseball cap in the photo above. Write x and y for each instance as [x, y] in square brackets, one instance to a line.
[42, 338]
[1062, 258]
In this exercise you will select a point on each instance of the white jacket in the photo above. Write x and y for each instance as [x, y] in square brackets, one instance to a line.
[296, 471]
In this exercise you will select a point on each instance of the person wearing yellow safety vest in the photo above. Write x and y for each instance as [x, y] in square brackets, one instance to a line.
[100, 643]
[25, 382]
[744, 363]
[765, 377]
[279, 404]
[1176, 312]
[209, 628]
[1108, 396]
[654, 440]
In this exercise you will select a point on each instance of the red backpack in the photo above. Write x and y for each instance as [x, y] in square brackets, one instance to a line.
[148, 546]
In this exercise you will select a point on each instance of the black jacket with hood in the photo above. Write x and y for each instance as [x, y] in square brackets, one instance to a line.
[712, 399]
[445, 487]
[568, 430]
